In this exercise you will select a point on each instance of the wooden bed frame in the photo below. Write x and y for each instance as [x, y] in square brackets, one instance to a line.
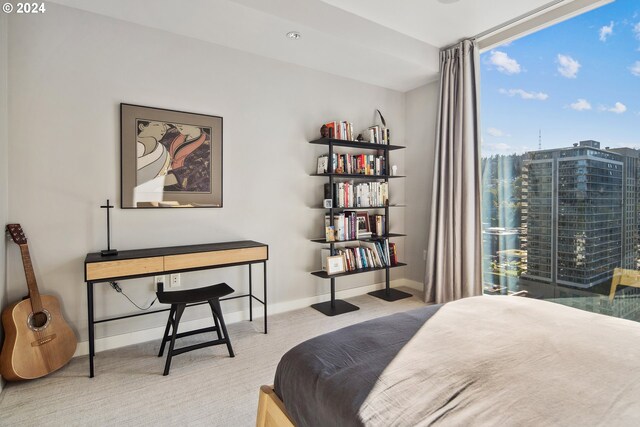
[271, 410]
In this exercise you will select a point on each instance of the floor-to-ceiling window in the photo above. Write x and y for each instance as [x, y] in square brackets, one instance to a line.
[561, 163]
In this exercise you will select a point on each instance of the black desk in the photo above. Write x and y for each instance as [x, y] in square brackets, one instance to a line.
[177, 259]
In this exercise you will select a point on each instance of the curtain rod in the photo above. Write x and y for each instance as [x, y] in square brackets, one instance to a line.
[510, 22]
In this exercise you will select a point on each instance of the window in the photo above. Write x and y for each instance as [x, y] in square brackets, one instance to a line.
[561, 162]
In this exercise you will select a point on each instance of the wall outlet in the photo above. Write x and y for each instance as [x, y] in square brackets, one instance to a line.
[174, 281]
[156, 280]
[424, 255]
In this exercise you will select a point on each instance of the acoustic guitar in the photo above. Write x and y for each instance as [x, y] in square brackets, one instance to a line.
[37, 339]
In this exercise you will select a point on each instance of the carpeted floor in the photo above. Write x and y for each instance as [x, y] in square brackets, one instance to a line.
[205, 387]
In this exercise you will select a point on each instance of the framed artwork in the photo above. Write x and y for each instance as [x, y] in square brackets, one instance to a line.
[170, 158]
[335, 264]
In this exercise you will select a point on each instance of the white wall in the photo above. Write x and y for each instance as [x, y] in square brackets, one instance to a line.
[70, 70]
[4, 161]
[421, 114]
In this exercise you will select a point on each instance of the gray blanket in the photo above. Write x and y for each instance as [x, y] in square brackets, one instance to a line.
[325, 380]
[478, 361]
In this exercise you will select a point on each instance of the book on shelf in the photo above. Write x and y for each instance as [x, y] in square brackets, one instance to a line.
[324, 254]
[344, 130]
[393, 254]
[377, 224]
[362, 255]
[340, 130]
[356, 164]
[378, 135]
[344, 225]
[360, 195]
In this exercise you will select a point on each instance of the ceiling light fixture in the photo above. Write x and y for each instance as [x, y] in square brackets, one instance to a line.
[294, 35]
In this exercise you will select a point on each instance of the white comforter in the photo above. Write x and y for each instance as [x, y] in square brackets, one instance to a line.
[510, 361]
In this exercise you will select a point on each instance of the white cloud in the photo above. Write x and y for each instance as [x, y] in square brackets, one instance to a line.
[496, 133]
[581, 105]
[618, 108]
[635, 69]
[567, 66]
[606, 31]
[636, 30]
[540, 96]
[503, 63]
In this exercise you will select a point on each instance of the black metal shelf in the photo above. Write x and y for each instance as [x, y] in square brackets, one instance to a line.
[324, 275]
[363, 239]
[357, 176]
[334, 306]
[355, 144]
[358, 208]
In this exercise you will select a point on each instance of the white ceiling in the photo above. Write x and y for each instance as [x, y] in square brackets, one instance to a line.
[389, 43]
[437, 23]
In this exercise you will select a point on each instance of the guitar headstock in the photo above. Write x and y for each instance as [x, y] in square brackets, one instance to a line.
[15, 230]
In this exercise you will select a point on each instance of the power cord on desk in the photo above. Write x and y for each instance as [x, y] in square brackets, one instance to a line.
[118, 289]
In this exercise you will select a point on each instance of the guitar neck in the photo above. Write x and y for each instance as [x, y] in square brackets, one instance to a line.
[34, 294]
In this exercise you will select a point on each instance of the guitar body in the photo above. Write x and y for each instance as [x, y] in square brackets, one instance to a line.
[37, 339]
[28, 354]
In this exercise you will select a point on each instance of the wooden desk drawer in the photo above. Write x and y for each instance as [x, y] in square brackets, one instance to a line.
[129, 267]
[204, 259]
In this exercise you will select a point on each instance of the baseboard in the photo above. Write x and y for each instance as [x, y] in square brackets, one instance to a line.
[137, 337]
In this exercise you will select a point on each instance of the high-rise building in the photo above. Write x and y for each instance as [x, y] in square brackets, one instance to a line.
[581, 216]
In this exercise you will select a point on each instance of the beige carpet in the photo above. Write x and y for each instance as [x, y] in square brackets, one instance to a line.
[205, 387]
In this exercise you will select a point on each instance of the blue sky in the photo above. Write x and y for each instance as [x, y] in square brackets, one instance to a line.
[576, 80]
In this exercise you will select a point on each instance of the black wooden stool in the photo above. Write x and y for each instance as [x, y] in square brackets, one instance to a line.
[179, 301]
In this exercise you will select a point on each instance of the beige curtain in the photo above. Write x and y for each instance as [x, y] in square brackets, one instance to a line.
[454, 255]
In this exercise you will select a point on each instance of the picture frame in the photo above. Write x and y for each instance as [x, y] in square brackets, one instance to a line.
[170, 158]
[362, 219]
[336, 264]
[323, 165]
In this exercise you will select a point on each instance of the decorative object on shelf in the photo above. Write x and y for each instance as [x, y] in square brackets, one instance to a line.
[335, 264]
[324, 132]
[394, 170]
[170, 158]
[323, 164]
[384, 123]
[327, 203]
[108, 251]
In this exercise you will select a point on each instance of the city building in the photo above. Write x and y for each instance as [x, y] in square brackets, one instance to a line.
[581, 215]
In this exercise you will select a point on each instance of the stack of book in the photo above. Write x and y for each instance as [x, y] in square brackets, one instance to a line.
[362, 164]
[378, 135]
[343, 227]
[340, 130]
[361, 195]
[364, 255]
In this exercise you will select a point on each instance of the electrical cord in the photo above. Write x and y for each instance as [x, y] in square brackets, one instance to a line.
[118, 289]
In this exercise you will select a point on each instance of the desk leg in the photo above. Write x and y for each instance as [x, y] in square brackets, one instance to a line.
[91, 326]
[250, 297]
[265, 296]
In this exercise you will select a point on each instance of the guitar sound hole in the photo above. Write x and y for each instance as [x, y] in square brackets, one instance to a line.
[38, 320]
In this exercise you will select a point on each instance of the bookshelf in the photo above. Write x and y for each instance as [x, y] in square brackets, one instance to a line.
[334, 306]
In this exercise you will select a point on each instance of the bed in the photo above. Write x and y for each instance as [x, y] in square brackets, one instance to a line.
[476, 361]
